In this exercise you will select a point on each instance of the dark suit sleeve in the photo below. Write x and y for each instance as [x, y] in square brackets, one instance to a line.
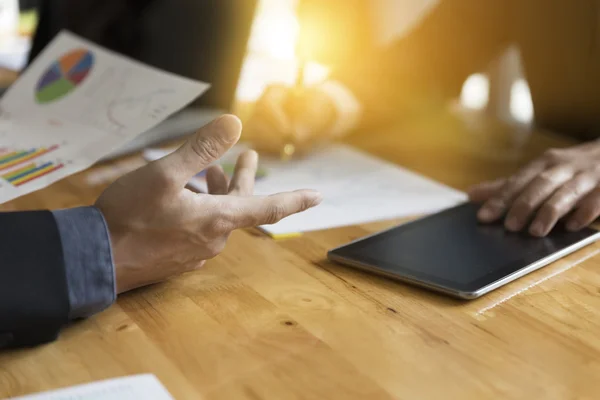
[457, 38]
[34, 299]
[55, 267]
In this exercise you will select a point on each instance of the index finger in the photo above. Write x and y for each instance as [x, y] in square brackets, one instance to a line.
[244, 174]
[249, 212]
[497, 205]
[485, 190]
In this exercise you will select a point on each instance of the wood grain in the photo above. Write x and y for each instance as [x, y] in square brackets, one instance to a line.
[276, 320]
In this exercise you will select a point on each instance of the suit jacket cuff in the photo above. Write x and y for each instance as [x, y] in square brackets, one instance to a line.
[88, 260]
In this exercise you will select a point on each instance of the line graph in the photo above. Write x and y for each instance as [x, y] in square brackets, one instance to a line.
[122, 111]
[116, 104]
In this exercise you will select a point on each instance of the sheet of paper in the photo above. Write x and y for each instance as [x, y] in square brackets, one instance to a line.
[145, 387]
[357, 188]
[76, 103]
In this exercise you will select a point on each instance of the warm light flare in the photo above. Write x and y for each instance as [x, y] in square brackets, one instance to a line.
[272, 51]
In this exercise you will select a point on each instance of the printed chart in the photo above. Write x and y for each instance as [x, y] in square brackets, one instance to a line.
[64, 75]
[19, 167]
[75, 104]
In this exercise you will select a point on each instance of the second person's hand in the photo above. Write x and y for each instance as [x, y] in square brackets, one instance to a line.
[563, 183]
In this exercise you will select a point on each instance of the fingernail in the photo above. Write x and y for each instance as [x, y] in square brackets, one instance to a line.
[573, 225]
[486, 214]
[229, 126]
[537, 229]
[215, 122]
[513, 224]
[317, 199]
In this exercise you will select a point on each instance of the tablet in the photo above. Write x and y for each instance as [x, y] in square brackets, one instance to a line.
[452, 253]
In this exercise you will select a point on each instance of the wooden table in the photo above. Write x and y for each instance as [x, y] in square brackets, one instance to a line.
[275, 320]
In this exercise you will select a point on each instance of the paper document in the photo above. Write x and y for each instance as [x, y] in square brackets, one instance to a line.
[76, 103]
[145, 387]
[357, 188]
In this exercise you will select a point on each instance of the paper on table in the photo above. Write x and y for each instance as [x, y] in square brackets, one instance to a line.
[76, 103]
[357, 188]
[145, 387]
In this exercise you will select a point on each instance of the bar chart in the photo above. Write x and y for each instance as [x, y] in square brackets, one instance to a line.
[21, 166]
[11, 158]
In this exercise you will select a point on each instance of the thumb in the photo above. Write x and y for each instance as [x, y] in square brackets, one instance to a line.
[208, 144]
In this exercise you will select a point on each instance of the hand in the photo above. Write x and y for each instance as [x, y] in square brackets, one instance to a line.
[560, 182]
[285, 115]
[159, 229]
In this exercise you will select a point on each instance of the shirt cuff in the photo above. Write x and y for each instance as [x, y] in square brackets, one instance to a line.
[348, 108]
[88, 260]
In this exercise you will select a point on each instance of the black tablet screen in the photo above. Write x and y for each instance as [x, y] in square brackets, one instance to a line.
[452, 249]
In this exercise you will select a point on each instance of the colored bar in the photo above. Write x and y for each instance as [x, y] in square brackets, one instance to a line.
[18, 171]
[15, 154]
[38, 174]
[30, 155]
[28, 172]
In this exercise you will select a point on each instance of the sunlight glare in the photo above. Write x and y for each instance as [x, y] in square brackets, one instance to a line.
[271, 56]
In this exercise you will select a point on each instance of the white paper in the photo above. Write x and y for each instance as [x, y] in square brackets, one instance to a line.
[357, 188]
[145, 387]
[108, 100]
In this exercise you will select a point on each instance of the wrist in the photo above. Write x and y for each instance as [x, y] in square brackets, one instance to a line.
[129, 271]
[136, 259]
[123, 279]
[120, 257]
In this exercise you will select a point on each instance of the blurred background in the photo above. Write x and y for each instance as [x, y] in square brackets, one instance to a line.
[327, 33]
[321, 33]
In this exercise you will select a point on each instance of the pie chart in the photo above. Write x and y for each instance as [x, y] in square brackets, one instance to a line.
[64, 75]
